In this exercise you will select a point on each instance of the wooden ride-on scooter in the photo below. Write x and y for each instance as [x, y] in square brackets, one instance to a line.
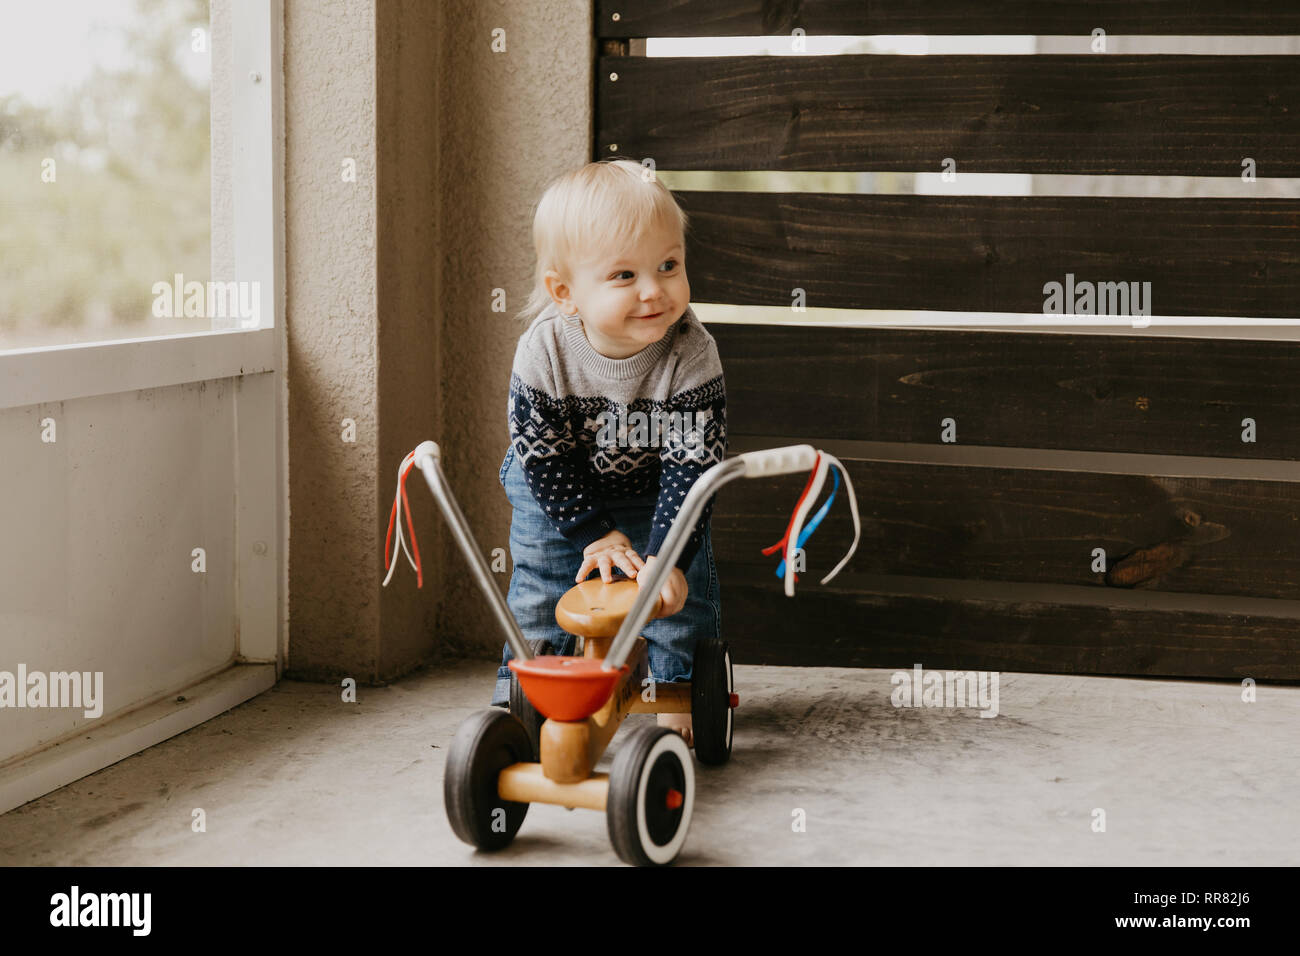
[564, 710]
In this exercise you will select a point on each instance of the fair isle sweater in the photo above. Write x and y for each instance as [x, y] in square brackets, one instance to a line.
[574, 427]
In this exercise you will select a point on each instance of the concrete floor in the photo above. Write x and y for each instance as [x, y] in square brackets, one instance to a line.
[1186, 773]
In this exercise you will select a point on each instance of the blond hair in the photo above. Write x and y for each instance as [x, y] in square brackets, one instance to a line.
[602, 205]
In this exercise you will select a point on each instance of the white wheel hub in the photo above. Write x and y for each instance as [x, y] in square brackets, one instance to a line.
[670, 742]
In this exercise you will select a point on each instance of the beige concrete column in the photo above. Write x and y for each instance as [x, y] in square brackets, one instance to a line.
[391, 284]
[408, 77]
[331, 320]
[510, 121]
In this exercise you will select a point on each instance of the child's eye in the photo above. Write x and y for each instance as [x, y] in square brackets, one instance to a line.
[628, 272]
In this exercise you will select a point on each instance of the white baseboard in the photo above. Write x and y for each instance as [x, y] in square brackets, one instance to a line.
[62, 763]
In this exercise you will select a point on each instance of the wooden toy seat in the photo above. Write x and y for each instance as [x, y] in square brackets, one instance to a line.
[596, 609]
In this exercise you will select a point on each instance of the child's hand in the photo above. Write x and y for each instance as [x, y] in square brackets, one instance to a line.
[672, 596]
[614, 548]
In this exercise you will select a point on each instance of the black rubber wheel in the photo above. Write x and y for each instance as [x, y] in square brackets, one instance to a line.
[651, 796]
[521, 707]
[486, 743]
[712, 717]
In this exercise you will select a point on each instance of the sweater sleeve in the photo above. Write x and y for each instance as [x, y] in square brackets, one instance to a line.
[695, 440]
[541, 432]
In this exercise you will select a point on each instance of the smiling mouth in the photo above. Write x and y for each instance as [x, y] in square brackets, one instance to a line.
[654, 316]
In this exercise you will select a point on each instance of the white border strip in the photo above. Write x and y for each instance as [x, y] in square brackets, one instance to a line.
[1000, 44]
[911, 183]
[1210, 326]
[971, 455]
[260, 457]
[59, 373]
[257, 87]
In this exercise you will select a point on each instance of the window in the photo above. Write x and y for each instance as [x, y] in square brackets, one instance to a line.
[106, 173]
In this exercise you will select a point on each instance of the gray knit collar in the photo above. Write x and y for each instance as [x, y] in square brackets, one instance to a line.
[619, 369]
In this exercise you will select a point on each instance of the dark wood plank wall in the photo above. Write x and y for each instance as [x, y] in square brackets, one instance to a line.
[1168, 115]
[1236, 257]
[708, 18]
[1173, 534]
[856, 627]
[1119, 393]
[1160, 533]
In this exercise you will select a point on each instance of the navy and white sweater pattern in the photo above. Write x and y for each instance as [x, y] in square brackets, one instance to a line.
[588, 429]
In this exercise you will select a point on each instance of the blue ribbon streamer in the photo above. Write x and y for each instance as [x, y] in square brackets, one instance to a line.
[811, 526]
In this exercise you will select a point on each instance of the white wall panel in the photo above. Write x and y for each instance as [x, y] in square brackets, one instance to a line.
[98, 529]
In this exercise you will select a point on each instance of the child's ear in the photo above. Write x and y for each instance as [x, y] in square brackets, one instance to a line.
[558, 290]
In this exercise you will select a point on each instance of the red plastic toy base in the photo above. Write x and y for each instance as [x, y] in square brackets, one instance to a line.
[566, 688]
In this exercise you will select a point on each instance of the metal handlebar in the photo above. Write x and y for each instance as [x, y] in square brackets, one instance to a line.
[426, 458]
[754, 464]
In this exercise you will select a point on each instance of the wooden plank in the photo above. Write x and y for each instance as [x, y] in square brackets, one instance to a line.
[686, 18]
[1193, 535]
[1114, 393]
[824, 628]
[1156, 115]
[1229, 257]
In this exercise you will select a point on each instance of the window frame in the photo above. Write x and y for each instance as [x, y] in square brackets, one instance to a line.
[29, 376]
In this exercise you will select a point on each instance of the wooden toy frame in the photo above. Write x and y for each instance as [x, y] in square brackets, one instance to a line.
[648, 794]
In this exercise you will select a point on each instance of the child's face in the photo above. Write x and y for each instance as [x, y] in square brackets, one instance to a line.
[614, 290]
